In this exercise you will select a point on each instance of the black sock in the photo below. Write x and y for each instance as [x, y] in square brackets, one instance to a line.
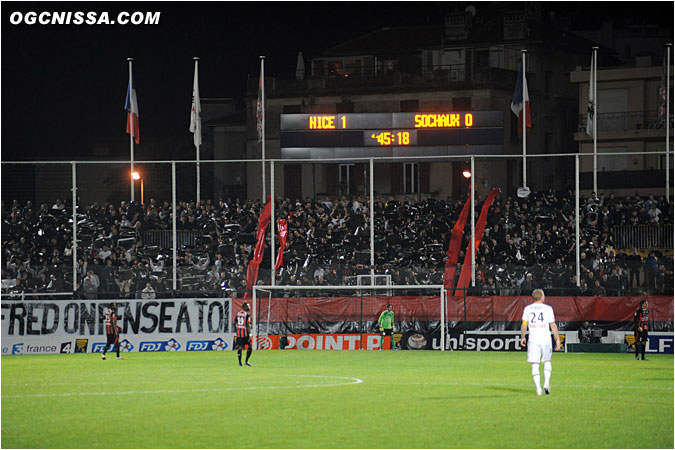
[644, 344]
[248, 353]
[239, 356]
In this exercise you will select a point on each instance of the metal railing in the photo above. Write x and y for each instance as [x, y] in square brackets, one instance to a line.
[643, 236]
[164, 239]
[625, 121]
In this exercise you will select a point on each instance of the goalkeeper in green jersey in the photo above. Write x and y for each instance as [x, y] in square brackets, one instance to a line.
[387, 328]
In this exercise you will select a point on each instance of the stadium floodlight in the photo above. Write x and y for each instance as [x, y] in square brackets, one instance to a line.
[359, 290]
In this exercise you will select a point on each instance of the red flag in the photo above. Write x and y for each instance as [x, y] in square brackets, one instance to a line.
[455, 243]
[252, 271]
[465, 275]
[283, 230]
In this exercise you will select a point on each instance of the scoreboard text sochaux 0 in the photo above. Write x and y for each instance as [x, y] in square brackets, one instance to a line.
[391, 129]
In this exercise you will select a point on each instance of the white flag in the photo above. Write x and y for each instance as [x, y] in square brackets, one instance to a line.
[590, 109]
[196, 114]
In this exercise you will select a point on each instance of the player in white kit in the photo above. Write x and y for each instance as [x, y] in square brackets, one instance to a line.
[538, 317]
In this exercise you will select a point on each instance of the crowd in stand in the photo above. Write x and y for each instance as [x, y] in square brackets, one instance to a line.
[528, 243]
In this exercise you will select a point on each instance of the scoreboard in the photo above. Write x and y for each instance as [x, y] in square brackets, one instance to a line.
[317, 136]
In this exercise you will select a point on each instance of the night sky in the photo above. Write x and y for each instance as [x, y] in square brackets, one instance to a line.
[64, 86]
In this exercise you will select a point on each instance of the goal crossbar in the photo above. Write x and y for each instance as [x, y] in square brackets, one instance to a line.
[270, 289]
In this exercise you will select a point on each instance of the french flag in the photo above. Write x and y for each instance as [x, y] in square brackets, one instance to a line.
[131, 106]
[521, 96]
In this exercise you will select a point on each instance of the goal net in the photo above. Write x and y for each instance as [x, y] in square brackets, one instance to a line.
[346, 317]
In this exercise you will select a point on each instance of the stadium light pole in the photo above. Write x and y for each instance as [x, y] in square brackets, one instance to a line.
[135, 175]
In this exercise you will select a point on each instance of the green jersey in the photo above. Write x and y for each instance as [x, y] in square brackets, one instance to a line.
[386, 319]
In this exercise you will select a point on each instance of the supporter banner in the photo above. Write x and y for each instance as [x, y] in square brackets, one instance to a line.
[84, 318]
[473, 309]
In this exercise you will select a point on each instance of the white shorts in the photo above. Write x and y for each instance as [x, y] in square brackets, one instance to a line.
[538, 352]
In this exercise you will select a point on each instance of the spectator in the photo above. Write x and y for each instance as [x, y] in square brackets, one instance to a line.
[148, 292]
[599, 290]
[532, 235]
[89, 291]
[634, 267]
[585, 333]
[651, 267]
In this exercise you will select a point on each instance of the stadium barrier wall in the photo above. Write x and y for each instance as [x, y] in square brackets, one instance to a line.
[359, 314]
[480, 323]
[38, 327]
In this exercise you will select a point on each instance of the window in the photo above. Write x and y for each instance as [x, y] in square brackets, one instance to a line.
[292, 109]
[461, 104]
[410, 178]
[482, 58]
[410, 105]
[352, 68]
[335, 69]
[610, 163]
[345, 179]
[547, 81]
[344, 107]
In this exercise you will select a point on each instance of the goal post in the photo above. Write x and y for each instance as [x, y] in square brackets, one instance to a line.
[277, 309]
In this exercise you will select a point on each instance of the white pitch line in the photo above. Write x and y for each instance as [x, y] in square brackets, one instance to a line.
[350, 380]
[582, 386]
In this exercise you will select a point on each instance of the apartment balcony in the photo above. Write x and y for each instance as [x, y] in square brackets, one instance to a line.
[624, 125]
[413, 78]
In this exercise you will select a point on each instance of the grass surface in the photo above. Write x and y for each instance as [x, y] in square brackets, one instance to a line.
[335, 399]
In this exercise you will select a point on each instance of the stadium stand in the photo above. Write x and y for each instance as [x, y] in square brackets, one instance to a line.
[528, 243]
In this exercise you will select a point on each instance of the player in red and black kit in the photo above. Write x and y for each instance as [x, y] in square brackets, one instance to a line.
[243, 324]
[112, 331]
[640, 320]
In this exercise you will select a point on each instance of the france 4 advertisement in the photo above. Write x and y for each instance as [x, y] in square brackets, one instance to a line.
[43, 327]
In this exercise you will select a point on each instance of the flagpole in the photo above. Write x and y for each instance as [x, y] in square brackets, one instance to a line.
[576, 219]
[524, 127]
[595, 119]
[473, 218]
[198, 128]
[273, 223]
[668, 47]
[131, 132]
[262, 100]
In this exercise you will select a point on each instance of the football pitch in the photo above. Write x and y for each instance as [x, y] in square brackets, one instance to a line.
[335, 399]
